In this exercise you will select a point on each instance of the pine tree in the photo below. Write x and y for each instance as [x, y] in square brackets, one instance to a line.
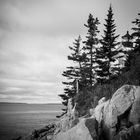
[108, 53]
[90, 48]
[72, 73]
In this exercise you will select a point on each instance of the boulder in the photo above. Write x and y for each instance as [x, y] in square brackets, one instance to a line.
[120, 102]
[122, 110]
[99, 111]
[79, 132]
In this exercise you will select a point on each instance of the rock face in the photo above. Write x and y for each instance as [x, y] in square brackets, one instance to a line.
[68, 120]
[121, 112]
[115, 119]
[99, 111]
[79, 132]
[121, 101]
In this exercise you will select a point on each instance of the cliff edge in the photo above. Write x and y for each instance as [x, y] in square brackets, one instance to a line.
[115, 119]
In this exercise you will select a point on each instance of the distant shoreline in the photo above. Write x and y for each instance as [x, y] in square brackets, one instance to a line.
[30, 103]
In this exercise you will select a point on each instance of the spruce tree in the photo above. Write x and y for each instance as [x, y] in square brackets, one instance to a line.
[72, 73]
[90, 48]
[108, 53]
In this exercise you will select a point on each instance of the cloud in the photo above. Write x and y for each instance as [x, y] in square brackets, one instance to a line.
[32, 64]
[34, 40]
[52, 18]
[24, 89]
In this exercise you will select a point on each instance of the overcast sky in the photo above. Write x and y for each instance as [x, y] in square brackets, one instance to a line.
[34, 40]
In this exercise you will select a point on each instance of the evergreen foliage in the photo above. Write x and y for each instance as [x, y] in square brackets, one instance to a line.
[90, 48]
[108, 53]
[72, 73]
[98, 61]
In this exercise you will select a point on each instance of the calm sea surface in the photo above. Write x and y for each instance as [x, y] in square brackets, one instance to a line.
[21, 119]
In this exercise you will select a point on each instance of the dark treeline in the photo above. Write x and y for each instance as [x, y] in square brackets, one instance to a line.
[101, 64]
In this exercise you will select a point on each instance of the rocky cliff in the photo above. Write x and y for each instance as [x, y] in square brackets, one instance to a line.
[114, 119]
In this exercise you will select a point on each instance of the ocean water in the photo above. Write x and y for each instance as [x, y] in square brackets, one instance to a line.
[21, 119]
